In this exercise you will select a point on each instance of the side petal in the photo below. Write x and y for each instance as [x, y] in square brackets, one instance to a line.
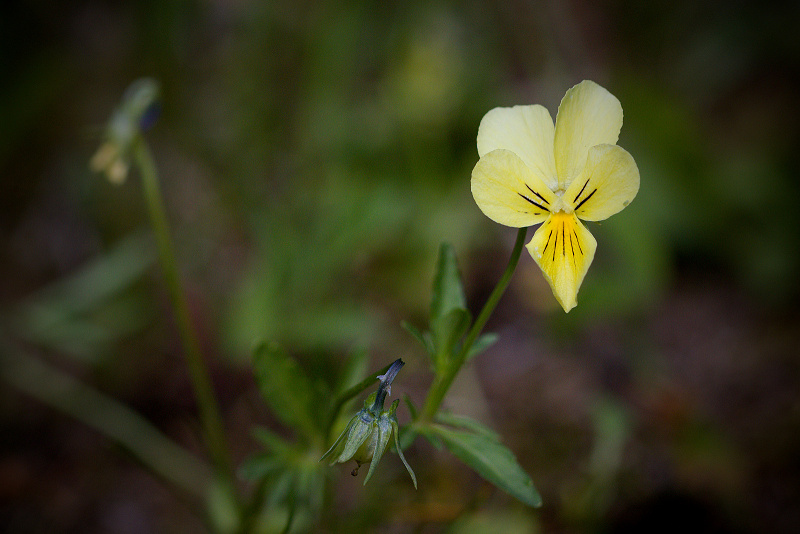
[528, 132]
[508, 192]
[587, 116]
[607, 184]
[563, 248]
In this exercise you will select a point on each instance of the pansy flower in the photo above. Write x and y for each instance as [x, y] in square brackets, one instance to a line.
[532, 171]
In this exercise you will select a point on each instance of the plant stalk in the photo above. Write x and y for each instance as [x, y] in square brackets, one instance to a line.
[442, 383]
[210, 417]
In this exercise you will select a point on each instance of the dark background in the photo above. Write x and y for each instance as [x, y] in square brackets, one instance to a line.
[313, 156]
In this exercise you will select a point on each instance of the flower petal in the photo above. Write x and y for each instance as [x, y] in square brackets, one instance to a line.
[607, 184]
[528, 132]
[563, 248]
[588, 116]
[508, 192]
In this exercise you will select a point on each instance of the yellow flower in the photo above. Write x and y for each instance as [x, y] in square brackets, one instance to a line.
[532, 171]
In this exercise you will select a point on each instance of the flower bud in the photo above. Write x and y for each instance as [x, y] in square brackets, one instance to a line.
[368, 433]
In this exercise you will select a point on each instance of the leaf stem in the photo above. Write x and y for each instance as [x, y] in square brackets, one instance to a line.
[201, 382]
[442, 383]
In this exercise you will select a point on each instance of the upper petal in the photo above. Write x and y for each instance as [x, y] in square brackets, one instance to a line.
[563, 248]
[507, 191]
[527, 131]
[588, 116]
[609, 181]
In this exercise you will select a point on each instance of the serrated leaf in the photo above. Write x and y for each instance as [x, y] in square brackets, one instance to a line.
[490, 459]
[481, 344]
[448, 292]
[285, 388]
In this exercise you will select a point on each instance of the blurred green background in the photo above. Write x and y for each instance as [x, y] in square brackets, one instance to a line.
[313, 156]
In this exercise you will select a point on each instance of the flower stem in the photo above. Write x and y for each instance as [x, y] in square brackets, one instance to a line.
[443, 382]
[211, 419]
[386, 385]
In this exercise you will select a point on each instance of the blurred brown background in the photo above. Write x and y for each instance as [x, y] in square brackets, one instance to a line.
[313, 155]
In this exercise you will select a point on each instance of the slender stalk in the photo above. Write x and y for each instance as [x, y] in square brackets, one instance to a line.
[201, 382]
[386, 385]
[443, 382]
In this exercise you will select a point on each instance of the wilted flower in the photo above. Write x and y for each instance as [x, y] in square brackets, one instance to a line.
[137, 113]
[368, 433]
[531, 171]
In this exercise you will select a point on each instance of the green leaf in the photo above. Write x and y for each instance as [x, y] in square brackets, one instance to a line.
[411, 408]
[353, 372]
[422, 337]
[467, 423]
[286, 388]
[271, 441]
[490, 459]
[86, 313]
[259, 466]
[481, 344]
[446, 332]
[448, 292]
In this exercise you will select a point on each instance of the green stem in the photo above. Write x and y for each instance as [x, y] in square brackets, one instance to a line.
[201, 382]
[443, 382]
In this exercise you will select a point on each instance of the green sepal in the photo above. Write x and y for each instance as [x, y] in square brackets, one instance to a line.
[396, 430]
[361, 428]
[339, 440]
[380, 438]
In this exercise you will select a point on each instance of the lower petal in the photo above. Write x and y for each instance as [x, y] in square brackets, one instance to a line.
[563, 248]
